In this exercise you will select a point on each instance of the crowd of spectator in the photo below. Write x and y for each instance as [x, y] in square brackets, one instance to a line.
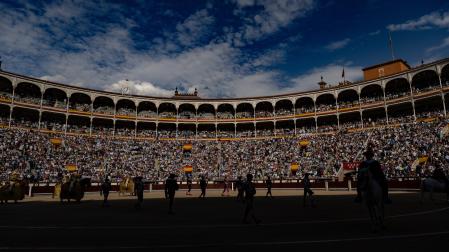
[397, 147]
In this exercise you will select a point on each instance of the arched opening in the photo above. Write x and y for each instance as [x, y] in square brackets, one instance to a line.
[166, 130]
[206, 131]
[22, 117]
[350, 120]
[226, 130]
[285, 128]
[78, 124]
[429, 107]
[325, 102]
[167, 110]
[397, 88]
[371, 93]
[147, 109]
[187, 130]
[54, 97]
[245, 130]
[327, 123]
[284, 108]
[53, 121]
[80, 102]
[126, 107]
[4, 115]
[348, 98]
[306, 125]
[125, 128]
[206, 111]
[265, 129]
[264, 109]
[102, 127]
[5, 88]
[187, 111]
[28, 93]
[244, 110]
[225, 111]
[146, 129]
[305, 105]
[373, 117]
[424, 81]
[400, 113]
[445, 75]
[104, 105]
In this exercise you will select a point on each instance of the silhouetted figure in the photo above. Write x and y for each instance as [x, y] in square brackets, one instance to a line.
[203, 186]
[269, 186]
[308, 191]
[138, 190]
[189, 186]
[105, 188]
[240, 190]
[439, 175]
[171, 186]
[250, 191]
[225, 187]
[377, 173]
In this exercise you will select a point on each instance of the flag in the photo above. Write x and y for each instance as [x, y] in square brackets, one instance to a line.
[343, 73]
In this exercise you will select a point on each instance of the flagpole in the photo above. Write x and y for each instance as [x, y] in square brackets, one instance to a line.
[391, 44]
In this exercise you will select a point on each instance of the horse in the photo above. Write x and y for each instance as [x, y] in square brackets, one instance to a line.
[13, 191]
[432, 185]
[373, 199]
[126, 186]
[77, 190]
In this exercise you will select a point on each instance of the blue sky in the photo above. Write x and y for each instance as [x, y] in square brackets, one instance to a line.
[228, 48]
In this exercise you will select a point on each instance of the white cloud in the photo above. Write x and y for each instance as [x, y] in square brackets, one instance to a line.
[429, 21]
[139, 88]
[442, 45]
[194, 27]
[274, 16]
[73, 50]
[338, 44]
[331, 74]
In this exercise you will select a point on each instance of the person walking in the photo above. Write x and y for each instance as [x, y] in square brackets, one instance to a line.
[105, 188]
[269, 186]
[203, 186]
[171, 186]
[250, 192]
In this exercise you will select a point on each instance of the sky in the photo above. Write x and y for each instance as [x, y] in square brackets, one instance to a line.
[224, 48]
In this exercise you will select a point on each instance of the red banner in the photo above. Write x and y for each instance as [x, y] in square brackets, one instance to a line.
[350, 166]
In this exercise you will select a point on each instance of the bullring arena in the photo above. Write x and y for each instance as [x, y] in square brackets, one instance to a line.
[50, 130]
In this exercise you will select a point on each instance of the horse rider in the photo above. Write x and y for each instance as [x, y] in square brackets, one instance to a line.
[240, 189]
[73, 180]
[308, 191]
[171, 186]
[14, 178]
[250, 191]
[105, 188]
[374, 167]
[439, 175]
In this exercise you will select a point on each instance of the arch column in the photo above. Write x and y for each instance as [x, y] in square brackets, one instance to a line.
[40, 118]
[442, 94]
[90, 127]
[360, 109]
[113, 123]
[413, 99]
[66, 124]
[294, 122]
[338, 111]
[385, 105]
